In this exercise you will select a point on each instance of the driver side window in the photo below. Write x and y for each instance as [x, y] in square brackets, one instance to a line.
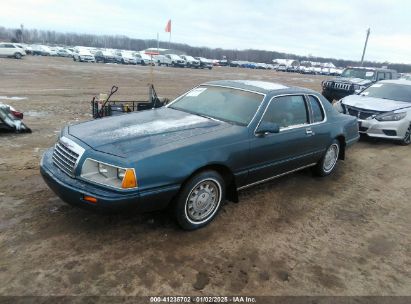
[287, 111]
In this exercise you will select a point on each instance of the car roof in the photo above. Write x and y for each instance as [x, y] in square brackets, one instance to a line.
[258, 86]
[397, 81]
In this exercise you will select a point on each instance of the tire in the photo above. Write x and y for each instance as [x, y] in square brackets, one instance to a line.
[17, 55]
[407, 137]
[199, 200]
[329, 161]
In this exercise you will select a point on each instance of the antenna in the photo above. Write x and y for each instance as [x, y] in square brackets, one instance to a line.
[365, 46]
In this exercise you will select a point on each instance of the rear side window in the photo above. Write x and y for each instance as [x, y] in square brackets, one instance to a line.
[317, 111]
[287, 111]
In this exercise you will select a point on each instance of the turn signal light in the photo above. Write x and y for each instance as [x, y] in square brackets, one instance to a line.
[129, 180]
[90, 199]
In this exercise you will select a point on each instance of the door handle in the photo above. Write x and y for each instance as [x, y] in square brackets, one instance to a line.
[309, 131]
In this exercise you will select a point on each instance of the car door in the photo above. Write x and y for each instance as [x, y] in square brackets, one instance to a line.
[319, 129]
[277, 153]
[3, 51]
[7, 49]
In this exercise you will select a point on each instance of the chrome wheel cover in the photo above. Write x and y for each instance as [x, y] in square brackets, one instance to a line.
[203, 201]
[331, 157]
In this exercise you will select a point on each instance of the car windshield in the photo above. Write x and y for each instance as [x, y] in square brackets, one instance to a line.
[231, 105]
[358, 73]
[390, 91]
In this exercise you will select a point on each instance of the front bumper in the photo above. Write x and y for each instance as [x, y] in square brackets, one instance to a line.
[86, 59]
[72, 191]
[384, 129]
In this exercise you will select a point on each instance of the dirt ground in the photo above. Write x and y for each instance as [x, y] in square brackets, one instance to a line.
[347, 234]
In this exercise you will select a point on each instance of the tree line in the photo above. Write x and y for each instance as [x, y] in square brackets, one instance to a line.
[33, 36]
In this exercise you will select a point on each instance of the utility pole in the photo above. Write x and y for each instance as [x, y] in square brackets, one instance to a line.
[22, 32]
[365, 46]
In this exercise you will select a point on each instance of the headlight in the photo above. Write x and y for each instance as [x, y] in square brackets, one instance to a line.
[390, 116]
[358, 88]
[108, 175]
[339, 106]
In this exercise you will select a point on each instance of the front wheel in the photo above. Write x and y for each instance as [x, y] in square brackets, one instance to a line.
[407, 137]
[17, 56]
[328, 162]
[199, 200]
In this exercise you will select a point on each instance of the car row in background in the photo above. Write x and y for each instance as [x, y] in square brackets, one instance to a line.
[354, 80]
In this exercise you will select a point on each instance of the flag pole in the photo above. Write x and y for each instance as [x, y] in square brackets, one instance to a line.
[169, 40]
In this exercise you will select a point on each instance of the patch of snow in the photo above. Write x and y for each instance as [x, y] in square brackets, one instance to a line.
[263, 84]
[35, 114]
[12, 98]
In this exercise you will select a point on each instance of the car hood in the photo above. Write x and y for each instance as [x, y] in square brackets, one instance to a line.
[131, 133]
[358, 81]
[374, 104]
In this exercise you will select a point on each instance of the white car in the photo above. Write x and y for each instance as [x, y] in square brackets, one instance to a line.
[383, 110]
[176, 61]
[191, 61]
[11, 50]
[143, 59]
[162, 60]
[127, 57]
[83, 55]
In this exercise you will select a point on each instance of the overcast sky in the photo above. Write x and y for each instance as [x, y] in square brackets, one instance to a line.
[328, 28]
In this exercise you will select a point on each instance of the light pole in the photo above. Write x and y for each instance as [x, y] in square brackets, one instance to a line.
[365, 46]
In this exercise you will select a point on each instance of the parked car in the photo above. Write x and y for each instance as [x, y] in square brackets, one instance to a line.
[282, 68]
[143, 59]
[162, 60]
[354, 80]
[83, 55]
[223, 62]
[176, 61]
[11, 120]
[104, 56]
[383, 110]
[191, 62]
[200, 149]
[41, 50]
[205, 63]
[53, 51]
[64, 53]
[127, 57]
[261, 66]
[11, 50]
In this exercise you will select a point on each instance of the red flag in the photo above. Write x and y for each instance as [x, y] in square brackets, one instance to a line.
[168, 26]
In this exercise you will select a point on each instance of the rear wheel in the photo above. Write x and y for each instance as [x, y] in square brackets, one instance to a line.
[199, 200]
[328, 162]
[407, 137]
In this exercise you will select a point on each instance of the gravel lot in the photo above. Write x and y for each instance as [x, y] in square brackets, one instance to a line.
[347, 234]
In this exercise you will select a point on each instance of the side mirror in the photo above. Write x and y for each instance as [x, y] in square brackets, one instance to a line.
[267, 127]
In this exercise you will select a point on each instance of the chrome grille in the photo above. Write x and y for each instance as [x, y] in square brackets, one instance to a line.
[66, 154]
[361, 113]
[342, 86]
